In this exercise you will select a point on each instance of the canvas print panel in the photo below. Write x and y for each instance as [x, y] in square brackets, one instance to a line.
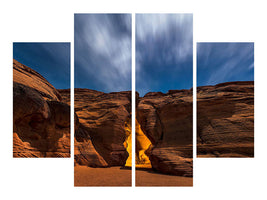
[102, 54]
[164, 108]
[41, 105]
[225, 99]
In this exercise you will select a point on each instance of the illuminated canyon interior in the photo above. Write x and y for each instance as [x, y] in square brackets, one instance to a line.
[143, 145]
[128, 142]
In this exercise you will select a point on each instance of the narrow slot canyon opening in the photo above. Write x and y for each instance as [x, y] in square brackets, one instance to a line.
[143, 146]
[128, 142]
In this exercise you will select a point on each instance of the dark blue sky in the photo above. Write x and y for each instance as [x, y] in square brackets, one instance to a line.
[164, 52]
[224, 62]
[102, 51]
[51, 60]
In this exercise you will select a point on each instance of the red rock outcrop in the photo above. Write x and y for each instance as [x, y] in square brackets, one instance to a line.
[84, 150]
[164, 122]
[100, 131]
[27, 76]
[41, 122]
[167, 120]
[225, 120]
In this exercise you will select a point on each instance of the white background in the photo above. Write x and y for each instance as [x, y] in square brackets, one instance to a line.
[52, 21]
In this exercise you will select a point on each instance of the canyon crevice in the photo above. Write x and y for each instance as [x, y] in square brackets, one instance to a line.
[164, 127]
[167, 120]
[100, 127]
[163, 130]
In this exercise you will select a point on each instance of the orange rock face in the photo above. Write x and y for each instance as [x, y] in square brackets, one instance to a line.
[41, 122]
[101, 126]
[166, 119]
[30, 78]
[225, 120]
[163, 128]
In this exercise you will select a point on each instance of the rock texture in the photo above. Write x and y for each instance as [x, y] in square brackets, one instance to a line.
[225, 120]
[163, 128]
[32, 79]
[41, 122]
[167, 120]
[101, 127]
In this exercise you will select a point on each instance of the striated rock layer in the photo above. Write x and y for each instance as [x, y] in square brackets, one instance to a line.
[166, 119]
[101, 132]
[41, 122]
[163, 128]
[225, 120]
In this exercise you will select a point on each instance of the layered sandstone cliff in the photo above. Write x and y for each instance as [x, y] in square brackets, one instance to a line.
[101, 130]
[225, 120]
[166, 119]
[164, 127]
[41, 122]
[163, 130]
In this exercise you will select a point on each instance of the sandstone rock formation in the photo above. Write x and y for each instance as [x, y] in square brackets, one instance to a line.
[167, 120]
[27, 76]
[225, 120]
[163, 130]
[41, 122]
[163, 127]
[101, 135]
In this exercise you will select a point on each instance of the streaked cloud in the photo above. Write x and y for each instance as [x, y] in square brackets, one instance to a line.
[164, 52]
[224, 62]
[103, 51]
[50, 59]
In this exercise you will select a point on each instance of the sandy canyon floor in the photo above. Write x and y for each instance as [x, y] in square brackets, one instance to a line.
[118, 176]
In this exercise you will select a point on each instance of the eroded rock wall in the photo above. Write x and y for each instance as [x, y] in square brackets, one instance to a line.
[102, 135]
[225, 120]
[167, 120]
[41, 122]
[225, 116]
[103, 117]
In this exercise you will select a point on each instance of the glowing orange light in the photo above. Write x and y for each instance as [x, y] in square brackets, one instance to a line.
[142, 145]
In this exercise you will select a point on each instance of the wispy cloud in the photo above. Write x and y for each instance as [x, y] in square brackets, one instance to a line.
[103, 51]
[51, 60]
[223, 62]
[164, 48]
[251, 66]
